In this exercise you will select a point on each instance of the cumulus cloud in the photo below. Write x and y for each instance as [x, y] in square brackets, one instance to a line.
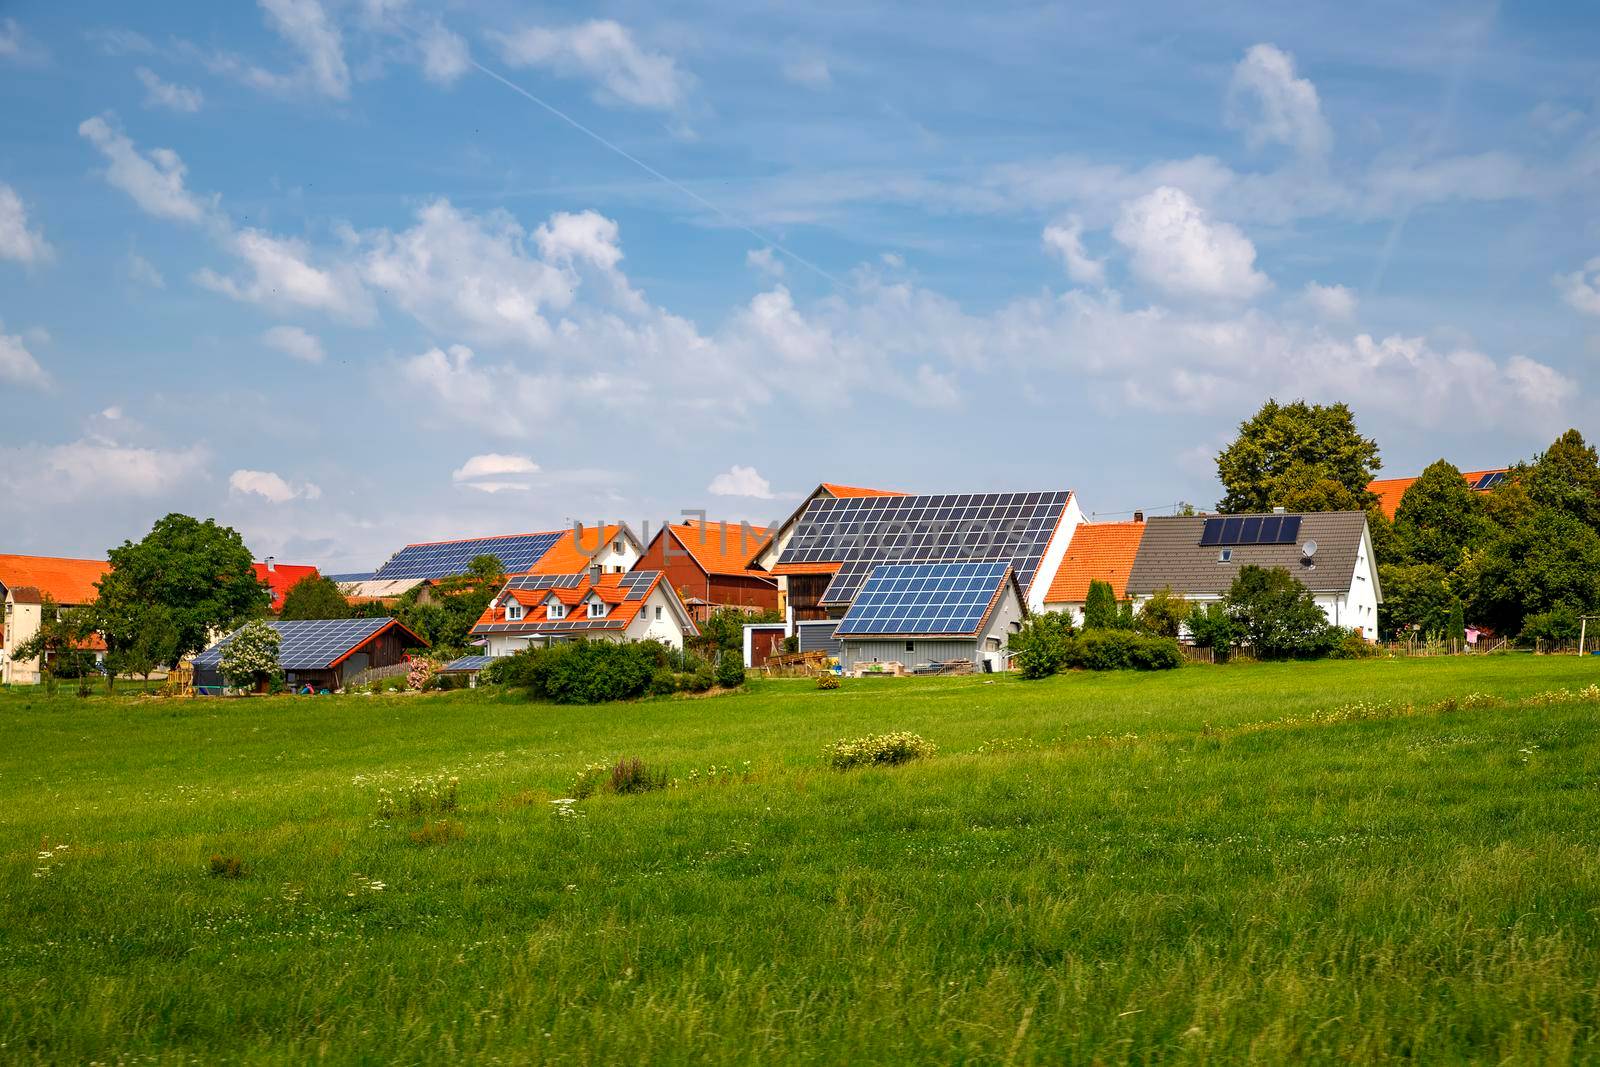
[17, 241]
[741, 481]
[604, 52]
[501, 400]
[295, 343]
[495, 472]
[1065, 239]
[1178, 248]
[98, 469]
[1581, 288]
[305, 26]
[173, 97]
[1272, 104]
[765, 261]
[155, 180]
[17, 364]
[270, 487]
[1334, 302]
[280, 274]
[445, 56]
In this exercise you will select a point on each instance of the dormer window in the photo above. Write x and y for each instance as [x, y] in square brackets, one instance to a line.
[513, 612]
[557, 610]
[597, 609]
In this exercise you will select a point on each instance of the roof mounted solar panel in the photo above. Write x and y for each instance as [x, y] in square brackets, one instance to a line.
[446, 559]
[1268, 532]
[924, 598]
[1211, 534]
[308, 644]
[1289, 533]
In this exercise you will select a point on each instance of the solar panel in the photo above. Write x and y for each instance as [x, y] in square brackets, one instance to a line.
[1250, 530]
[516, 552]
[467, 664]
[923, 598]
[357, 576]
[861, 533]
[1490, 480]
[545, 581]
[307, 644]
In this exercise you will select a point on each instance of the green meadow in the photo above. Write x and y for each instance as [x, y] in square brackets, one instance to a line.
[1375, 860]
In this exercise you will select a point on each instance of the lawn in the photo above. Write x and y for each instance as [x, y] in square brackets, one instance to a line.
[1362, 860]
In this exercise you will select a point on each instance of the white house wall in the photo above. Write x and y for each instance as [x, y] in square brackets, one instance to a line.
[1054, 553]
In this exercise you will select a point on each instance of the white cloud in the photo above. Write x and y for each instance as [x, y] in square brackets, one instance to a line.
[500, 400]
[144, 272]
[1330, 301]
[18, 47]
[741, 481]
[97, 469]
[155, 181]
[1065, 239]
[1177, 248]
[306, 26]
[605, 52]
[281, 275]
[495, 472]
[270, 487]
[173, 97]
[813, 73]
[586, 235]
[765, 261]
[1581, 288]
[1271, 104]
[17, 364]
[16, 240]
[445, 56]
[295, 343]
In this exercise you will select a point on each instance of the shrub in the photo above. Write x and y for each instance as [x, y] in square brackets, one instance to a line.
[663, 682]
[1039, 647]
[730, 669]
[1556, 626]
[882, 750]
[584, 672]
[1163, 614]
[421, 673]
[251, 658]
[1210, 626]
[698, 680]
[227, 867]
[437, 833]
[1100, 606]
[589, 780]
[1354, 645]
[827, 680]
[1278, 615]
[1121, 650]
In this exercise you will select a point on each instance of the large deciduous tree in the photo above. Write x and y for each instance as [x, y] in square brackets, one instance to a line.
[1277, 615]
[200, 572]
[1305, 457]
[1440, 518]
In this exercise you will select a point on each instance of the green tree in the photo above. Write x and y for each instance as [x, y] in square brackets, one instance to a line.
[57, 644]
[723, 630]
[200, 572]
[139, 637]
[1041, 644]
[250, 660]
[1566, 478]
[1210, 626]
[314, 597]
[1306, 457]
[1548, 562]
[1439, 519]
[730, 668]
[1100, 606]
[1277, 615]
[1164, 614]
[1416, 597]
[453, 605]
[1456, 628]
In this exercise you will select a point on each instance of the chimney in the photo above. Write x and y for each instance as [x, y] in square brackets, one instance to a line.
[1138, 516]
[272, 564]
[594, 574]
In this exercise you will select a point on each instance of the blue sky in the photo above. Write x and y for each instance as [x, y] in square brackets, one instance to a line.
[352, 274]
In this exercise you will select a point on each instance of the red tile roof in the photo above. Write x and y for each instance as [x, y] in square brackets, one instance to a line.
[66, 581]
[567, 557]
[283, 578]
[807, 568]
[1390, 490]
[855, 490]
[621, 611]
[721, 547]
[1102, 550]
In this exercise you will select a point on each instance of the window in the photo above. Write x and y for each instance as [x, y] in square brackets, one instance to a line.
[616, 546]
[513, 611]
[597, 609]
[1225, 555]
[911, 646]
[558, 610]
[658, 612]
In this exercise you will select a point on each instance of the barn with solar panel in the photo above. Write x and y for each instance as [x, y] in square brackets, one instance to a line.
[1329, 552]
[323, 654]
[932, 617]
[537, 610]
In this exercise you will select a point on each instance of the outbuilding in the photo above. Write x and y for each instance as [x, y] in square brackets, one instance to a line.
[932, 616]
[324, 654]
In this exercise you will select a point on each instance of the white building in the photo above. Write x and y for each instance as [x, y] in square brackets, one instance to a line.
[25, 582]
[535, 610]
[1330, 553]
[923, 615]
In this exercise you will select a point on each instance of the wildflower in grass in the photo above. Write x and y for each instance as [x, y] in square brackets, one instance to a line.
[877, 750]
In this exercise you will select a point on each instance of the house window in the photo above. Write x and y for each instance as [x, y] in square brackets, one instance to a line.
[1225, 555]
[558, 610]
[513, 611]
[658, 612]
[616, 546]
[597, 609]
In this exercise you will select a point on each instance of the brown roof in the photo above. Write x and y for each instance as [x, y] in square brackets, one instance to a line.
[1171, 556]
[26, 594]
[66, 581]
[1390, 490]
[1103, 550]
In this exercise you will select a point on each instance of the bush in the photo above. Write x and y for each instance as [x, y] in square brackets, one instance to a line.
[730, 669]
[584, 672]
[1163, 615]
[1279, 616]
[827, 680]
[1210, 626]
[1039, 647]
[251, 659]
[663, 682]
[1354, 645]
[883, 750]
[422, 672]
[1120, 650]
[1556, 626]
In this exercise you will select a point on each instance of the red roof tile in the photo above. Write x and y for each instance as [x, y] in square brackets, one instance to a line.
[856, 490]
[66, 581]
[572, 552]
[807, 568]
[1102, 550]
[1390, 490]
[721, 547]
[282, 578]
[621, 611]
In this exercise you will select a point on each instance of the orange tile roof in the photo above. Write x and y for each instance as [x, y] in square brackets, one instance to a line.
[1102, 550]
[721, 547]
[567, 557]
[621, 611]
[282, 578]
[1390, 490]
[66, 581]
[855, 490]
[807, 568]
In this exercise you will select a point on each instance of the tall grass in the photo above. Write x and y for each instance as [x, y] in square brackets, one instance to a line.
[1213, 864]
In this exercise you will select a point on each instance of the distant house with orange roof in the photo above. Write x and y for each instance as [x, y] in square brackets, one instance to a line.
[25, 583]
[708, 565]
[1389, 491]
[537, 610]
[613, 548]
[281, 577]
[806, 585]
[1101, 551]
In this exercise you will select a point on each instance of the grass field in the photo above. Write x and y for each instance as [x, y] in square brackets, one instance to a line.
[1220, 863]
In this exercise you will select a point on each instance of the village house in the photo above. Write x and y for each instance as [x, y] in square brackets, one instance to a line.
[708, 564]
[322, 655]
[537, 610]
[1102, 551]
[280, 578]
[25, 583]
[1389, 491]
[1330, 553]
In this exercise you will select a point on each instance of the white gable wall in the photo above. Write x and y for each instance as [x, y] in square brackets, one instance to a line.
[1054, 553]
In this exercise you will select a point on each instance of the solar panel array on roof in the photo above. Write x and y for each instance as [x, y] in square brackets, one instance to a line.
[516, 552]
[537, 626]
[923, 598]
[356, 576]
[545, 581]
[1490, 480]
[308, 644]
[1251, 530]
[862, 532]
[637, 583]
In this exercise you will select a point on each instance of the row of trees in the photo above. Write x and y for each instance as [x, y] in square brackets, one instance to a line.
[1521, 559]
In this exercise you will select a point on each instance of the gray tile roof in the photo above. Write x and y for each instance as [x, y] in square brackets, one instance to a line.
[1171, 555]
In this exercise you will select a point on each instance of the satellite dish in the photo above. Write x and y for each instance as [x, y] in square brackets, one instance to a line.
[1308, 549]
